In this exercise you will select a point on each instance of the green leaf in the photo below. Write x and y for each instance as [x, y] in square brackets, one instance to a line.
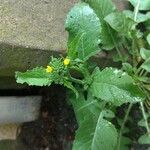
[147, 23]
[140, 17]
[95, 134]
[36, 76]
[83, 106]
[144, 139]
[119, 22]
[73, 46]
[102, 8]
[127, 68]
[148, 39]
[108, 113]
[125, 141]
[115, 86]
[146, 65]
[145, 54]
[93, 131]
[84, 28]
[142, 123]
[144, 4]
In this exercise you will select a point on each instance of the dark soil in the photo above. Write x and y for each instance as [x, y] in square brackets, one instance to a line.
[55, 128]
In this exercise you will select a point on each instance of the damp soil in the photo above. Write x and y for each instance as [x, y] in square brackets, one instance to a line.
[55, 128]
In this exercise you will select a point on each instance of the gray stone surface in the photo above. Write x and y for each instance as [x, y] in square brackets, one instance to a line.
[38, 24]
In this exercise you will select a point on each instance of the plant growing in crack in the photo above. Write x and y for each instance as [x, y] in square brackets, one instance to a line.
[96, 92]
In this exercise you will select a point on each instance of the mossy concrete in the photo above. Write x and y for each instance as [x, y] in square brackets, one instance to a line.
[30, 32]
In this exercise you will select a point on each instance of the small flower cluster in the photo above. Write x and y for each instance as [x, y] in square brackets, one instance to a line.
[49, 69]
[66, 62]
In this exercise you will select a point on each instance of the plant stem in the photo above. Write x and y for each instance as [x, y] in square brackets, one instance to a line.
[136, 10]
[141, 73]
[74, 79]
[145, 118]
[116, 46]
[123, 125]
[133, 53]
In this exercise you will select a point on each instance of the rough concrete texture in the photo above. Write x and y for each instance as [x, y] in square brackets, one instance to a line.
[31, 31]
[38, 24]
[8, 131]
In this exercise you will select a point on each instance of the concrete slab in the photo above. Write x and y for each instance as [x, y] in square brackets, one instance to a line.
[30, 32]
[38, 24]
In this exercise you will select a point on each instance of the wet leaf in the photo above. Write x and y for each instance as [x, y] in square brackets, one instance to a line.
[94, 134]
[84, 29]
[115, 86]
[37, 76]
[102, 8]
[144, 4]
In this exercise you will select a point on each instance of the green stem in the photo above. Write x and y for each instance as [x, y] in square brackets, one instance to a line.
[115, 44]
[138, 70]
[141, 73]
[136, 10]
[145, 118]
[134, 52]
[123, 125]
[145, 74]
[145, 91]
[74, 79]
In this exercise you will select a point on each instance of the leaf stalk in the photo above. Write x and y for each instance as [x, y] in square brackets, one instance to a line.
[123, 125]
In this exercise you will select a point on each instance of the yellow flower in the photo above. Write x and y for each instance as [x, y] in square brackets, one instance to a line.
[66, 61]
[49, 69]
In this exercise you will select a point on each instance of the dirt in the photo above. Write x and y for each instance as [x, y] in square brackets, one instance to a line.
[55, 128]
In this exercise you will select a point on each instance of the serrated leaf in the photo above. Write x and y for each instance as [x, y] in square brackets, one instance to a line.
[102, 8]
[95, 134]
[36, 76]
[144, 4]
[144, 139]
[82, 20]
[119, 22]
[140, 17]
[145, 53]
[115, 86]
[148, 39]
